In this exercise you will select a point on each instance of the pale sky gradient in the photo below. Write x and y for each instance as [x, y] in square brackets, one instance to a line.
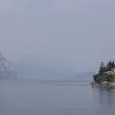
[65, 34]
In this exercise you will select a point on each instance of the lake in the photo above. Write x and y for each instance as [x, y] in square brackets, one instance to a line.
[54, 98]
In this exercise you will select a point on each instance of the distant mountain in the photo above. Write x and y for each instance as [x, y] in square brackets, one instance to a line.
[42, 69]
[7, 69]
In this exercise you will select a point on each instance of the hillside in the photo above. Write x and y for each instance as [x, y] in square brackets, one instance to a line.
[7, 69]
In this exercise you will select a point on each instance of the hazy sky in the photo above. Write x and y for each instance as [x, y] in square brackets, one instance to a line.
[68, 34]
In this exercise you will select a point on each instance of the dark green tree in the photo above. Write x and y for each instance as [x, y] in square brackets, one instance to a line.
[109, 66]
[113, 64]
[102, 68]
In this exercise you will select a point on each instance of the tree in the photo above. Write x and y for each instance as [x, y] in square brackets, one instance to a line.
[102, 68]
[113, 64]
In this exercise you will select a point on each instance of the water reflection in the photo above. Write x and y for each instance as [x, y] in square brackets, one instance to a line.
[29, 98]
[104, 96]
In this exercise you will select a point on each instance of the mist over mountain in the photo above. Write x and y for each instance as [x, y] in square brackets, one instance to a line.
[37, 68]
[7, 69]
[41, 69]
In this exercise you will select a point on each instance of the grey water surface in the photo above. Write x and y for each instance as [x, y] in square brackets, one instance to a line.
[54, 98]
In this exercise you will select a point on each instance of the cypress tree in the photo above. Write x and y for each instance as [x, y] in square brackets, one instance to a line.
[113, 64]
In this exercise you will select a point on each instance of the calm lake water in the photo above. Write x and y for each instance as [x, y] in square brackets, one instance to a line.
[54, 98]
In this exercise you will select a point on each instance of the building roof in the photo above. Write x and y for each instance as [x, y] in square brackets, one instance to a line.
[110, 72]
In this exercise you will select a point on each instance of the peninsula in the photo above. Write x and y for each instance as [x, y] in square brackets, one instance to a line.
[105, 75]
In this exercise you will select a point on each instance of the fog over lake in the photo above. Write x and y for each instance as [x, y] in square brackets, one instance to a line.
[62, 36]
[49, 51]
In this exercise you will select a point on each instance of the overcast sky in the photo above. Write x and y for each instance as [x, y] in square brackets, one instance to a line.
[72, 34]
